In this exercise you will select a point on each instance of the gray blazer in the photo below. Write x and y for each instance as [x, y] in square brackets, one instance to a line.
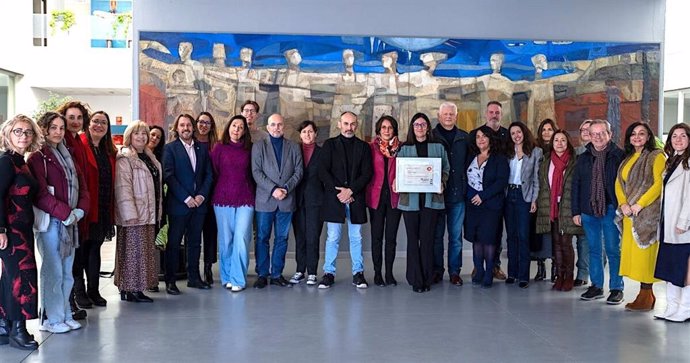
[530, 177]
[268, 176]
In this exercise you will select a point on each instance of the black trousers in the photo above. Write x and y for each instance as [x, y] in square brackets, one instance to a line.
[307, 226]
[420, 227]
[87, 259]
[384, 219]
[188, 226]
[210, 240]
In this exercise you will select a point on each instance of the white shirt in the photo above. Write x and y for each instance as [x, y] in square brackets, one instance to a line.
[475, 175]
[515, 171]
[191, 153]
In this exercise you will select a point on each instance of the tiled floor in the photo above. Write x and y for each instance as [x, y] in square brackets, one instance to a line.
[343, 324]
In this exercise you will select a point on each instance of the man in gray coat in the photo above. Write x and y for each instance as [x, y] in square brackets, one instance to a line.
[277, 169]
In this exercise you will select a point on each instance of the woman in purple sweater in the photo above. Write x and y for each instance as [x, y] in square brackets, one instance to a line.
[233, 201]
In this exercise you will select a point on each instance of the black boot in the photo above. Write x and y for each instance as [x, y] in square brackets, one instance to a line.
[541, 270]
[77, 314]
[208, 273]
[4, 331]
[20, 338]
[79, 291]
[554, 275]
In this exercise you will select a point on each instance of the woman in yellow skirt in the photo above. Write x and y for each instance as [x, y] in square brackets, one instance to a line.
[638, 189]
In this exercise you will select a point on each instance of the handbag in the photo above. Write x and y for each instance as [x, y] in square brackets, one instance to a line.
[41, 218]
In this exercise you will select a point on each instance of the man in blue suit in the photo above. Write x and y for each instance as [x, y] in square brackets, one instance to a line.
[188, 174]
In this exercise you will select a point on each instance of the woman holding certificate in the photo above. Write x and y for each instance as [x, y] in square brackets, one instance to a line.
[420, 210]
[487, 179]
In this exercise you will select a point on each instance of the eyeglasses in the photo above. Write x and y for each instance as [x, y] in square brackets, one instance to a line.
[584, 131]
[100, 122]
[20, 132]
[252, 112]
[419, 125]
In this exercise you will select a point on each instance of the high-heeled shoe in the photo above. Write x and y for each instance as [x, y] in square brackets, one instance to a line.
[390, 280]
[208, 273]
[141, 297]
[541, 270]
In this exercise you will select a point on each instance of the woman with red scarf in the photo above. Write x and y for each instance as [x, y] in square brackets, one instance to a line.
[382, 201]
[554, 214]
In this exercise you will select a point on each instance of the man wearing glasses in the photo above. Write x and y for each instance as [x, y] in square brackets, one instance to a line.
[594, 208]
[250, 111]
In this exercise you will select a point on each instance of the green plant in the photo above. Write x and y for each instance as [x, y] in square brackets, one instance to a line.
[64, 16]
[50, 104]
[122, 20]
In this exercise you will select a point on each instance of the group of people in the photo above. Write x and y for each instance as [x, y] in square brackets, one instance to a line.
[66, 186]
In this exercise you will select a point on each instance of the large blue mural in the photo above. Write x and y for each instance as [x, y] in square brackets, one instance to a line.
[317, 77]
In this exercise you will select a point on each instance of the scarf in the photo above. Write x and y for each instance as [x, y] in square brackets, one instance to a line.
[597, 197]
[559, 165]
[639, 180]
[388, 149]
[68, 236]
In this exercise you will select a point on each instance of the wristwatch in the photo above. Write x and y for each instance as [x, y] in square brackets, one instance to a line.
[3, 230]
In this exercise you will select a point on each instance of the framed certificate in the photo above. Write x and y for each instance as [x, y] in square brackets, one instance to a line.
[418, 175]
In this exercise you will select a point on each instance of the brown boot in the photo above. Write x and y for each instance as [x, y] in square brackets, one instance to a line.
[644, 301]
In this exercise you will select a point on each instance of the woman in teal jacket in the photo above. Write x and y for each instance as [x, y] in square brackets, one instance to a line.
[420, 210]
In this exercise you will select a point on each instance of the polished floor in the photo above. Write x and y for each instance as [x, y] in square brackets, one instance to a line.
[379, 324]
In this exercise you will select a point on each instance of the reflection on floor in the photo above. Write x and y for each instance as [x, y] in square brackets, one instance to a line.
[380, 324]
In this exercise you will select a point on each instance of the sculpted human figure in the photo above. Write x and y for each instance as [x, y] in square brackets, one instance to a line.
[496, 62]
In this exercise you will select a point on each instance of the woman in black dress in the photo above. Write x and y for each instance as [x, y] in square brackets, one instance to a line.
[18, 188]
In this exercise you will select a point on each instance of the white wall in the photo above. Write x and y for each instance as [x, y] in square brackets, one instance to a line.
[594, 20]
[676, 48]
[113, 105]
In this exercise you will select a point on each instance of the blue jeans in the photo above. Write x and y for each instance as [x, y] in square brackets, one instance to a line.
[333, 233]
[56, 274]
[234, 234]
[598, 231]
[265, 221]
[517, 220]
[453, 216]
[582, 257]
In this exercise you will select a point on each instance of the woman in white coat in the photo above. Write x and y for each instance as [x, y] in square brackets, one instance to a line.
[674, 235]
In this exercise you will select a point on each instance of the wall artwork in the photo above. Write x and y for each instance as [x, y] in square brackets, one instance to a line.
[319, 77]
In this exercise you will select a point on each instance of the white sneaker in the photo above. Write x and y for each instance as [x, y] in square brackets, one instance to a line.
[57, 328]
[228, 286]
[297, 278]
[73, 324]
[236, 288]
[311, 280]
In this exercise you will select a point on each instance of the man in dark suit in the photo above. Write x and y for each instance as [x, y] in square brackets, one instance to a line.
[277, 169]
[188, 174]
[345, 171]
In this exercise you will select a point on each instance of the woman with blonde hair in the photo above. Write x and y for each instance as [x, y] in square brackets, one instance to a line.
[18, 294]
[138, 195]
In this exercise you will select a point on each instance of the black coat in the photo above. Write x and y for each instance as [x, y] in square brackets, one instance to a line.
[333, 173]
[582, 179]
[309, 192]
[458, 152]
